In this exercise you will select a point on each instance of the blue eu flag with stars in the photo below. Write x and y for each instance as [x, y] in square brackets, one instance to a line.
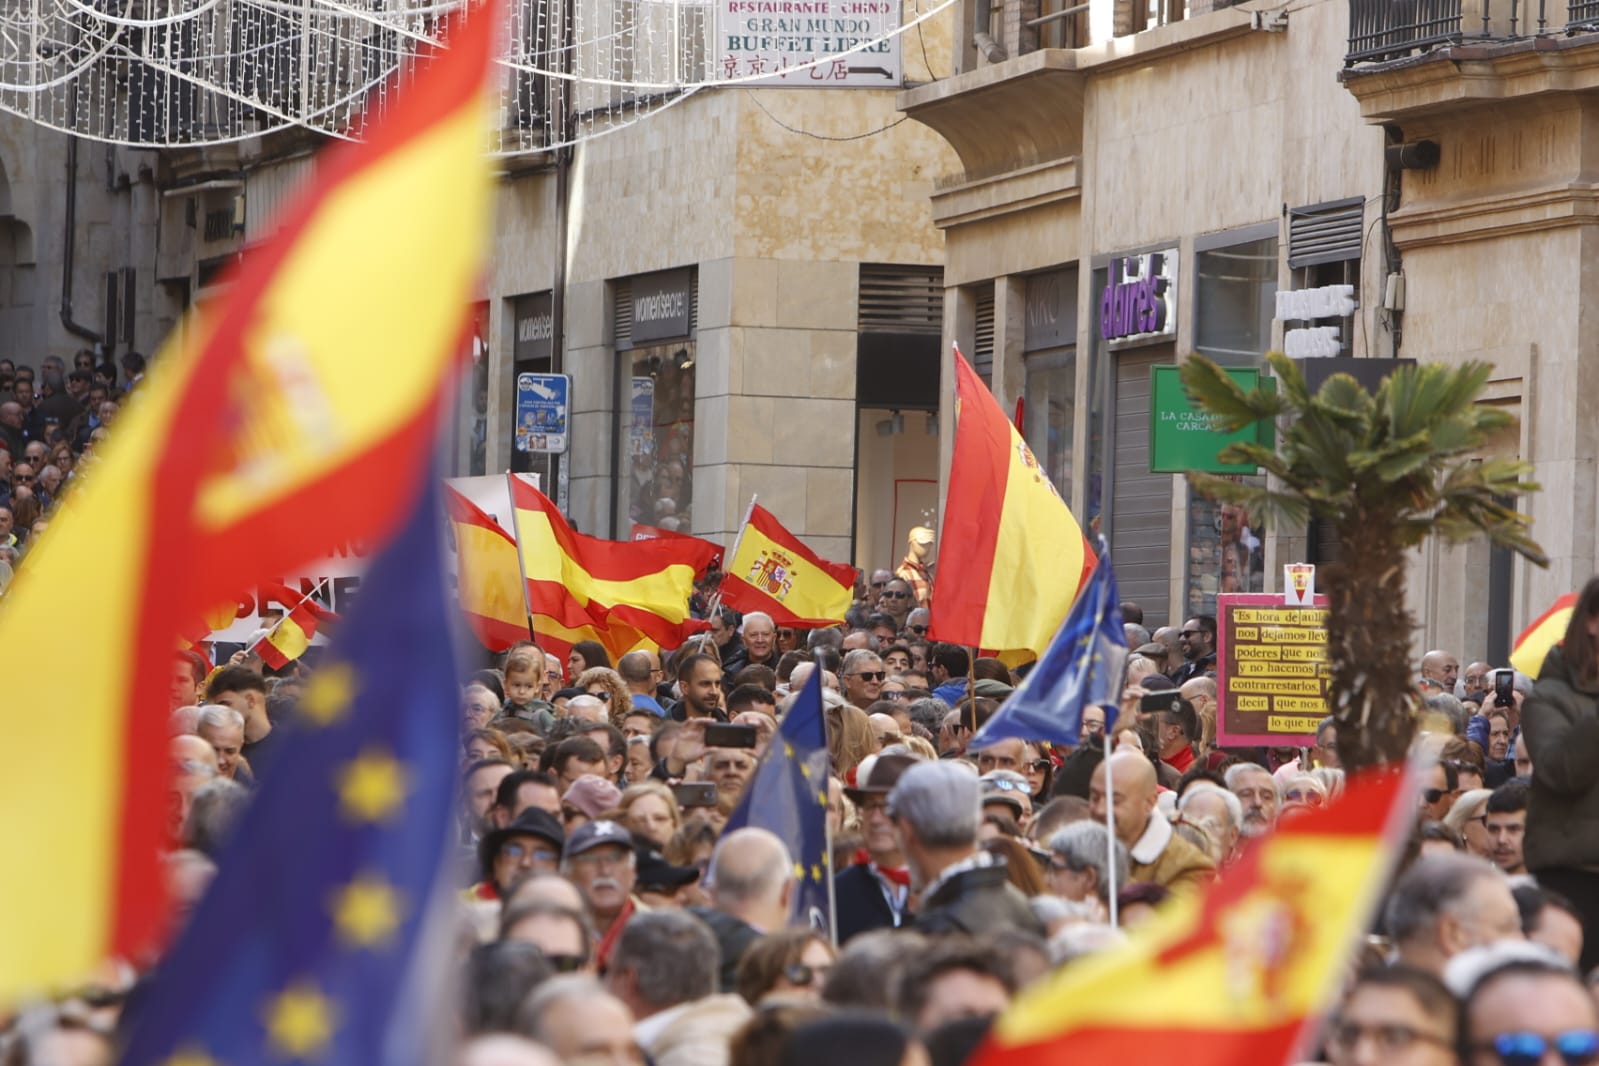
[1082, 667]
[311, 944]
[787, 795]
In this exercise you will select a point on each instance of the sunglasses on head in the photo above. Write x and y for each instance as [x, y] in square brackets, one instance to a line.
[1576, 1047]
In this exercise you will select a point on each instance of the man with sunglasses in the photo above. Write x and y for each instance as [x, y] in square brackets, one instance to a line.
[1197, 639]
[917, 622]
[897, 601]
[863, 677]
[1528, 1010]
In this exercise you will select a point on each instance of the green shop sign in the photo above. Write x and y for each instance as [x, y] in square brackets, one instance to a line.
[1181, 438]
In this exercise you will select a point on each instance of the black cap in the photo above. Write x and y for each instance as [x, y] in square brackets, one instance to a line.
[531, 822]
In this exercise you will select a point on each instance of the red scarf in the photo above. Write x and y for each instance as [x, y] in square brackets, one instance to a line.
[900, 875]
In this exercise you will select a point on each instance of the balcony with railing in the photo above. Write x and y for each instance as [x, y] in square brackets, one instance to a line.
[1388, 31]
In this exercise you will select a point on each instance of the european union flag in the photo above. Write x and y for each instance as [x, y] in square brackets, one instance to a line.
[1083, 666]
[787, 795]
[308, 947]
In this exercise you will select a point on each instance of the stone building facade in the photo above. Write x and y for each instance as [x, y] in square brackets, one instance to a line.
[1220, 156]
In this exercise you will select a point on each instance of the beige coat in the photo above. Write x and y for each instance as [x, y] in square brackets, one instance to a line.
[699, 1035]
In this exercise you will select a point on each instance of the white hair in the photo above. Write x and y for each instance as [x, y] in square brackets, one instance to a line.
[752, 616]
[1239, 769]
[217, 716]
[1235, 808]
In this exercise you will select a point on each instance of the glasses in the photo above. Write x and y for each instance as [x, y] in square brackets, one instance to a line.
[1309, 796]
[1433, 795]
[603, 697]
[870, 675]
[896, 696]
[24, 477]
[1061, 866]
[566, 963]
[1002, 785]
[1093, 729]
[1390, 1039]
[1040, 765]
[1190, 632]
[896, 595]
[918, 630]
[803, 975]
[1576, 1047]
[526, 851]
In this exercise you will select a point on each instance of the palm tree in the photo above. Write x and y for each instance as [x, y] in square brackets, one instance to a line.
[1387, 471]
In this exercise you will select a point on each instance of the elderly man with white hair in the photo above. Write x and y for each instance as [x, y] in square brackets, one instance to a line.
[759, 634]
[1219, 813]
[1080, 865]
[223, 729]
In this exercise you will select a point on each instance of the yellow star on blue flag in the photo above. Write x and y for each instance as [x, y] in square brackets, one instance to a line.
[782, 796]
[320, 898]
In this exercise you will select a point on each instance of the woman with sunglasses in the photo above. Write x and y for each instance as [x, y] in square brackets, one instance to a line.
[1040, 771]
[793, 963]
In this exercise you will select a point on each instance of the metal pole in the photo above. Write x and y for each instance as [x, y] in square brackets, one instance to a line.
[521, 567]
[1110, 829]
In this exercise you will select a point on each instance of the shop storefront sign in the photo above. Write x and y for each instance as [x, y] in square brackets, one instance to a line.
[1050, 302]
[1183, 438]
[1271, 670]
[542, 405]
[853, 39]
[1310, 306]
[534, 322]
[1139, 304]
[661, 303]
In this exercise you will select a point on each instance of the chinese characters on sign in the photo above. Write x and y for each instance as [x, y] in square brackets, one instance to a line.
[1271, 670]
[773, 37]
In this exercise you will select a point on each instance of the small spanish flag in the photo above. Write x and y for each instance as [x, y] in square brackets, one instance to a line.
[1235, 974]
[288, 639]
[1011, 557]
[772, 571]
[1549, 629]
[577, 581]
[488, 580]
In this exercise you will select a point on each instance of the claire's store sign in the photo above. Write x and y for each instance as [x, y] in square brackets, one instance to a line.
[1139, 304]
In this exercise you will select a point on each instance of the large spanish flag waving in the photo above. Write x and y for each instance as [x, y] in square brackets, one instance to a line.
[1011, 558]
[579, 581]
[488, 580]
[301, 416]
[1547, 630]
[1233, 975]
[772, 571]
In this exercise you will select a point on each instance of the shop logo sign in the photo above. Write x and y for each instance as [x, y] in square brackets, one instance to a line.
[1139, 301]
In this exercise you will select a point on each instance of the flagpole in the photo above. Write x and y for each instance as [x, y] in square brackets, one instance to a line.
[827, 837]
[521, 567]
[281, 618]
[971, 687]
[749, 512]
[1110, 830]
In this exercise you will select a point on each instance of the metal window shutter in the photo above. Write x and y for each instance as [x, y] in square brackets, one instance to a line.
[1141, 503]
[983, 335]
[1326, 233]
[622, 314]
[901, 299]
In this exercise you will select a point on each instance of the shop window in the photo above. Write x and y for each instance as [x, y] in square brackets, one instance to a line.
[657, 455]
[1224, 553]
[1235, 301]
[1049, 414]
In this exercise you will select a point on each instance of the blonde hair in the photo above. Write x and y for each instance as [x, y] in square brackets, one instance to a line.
[633, 793]
[621, 699]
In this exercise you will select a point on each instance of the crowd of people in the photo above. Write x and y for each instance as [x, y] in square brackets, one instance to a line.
[606, 917]
[49, 429]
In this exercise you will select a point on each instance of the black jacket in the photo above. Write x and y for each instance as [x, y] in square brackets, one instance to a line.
[1560, 720]
[733, 936]
[977, 902]
[858, 904]
[1195, 668]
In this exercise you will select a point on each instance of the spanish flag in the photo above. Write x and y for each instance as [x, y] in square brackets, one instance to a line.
[578, 581]
[288, 639]
[488, 580]
[617, 639]
[772, 571]
[1011, 558]
[301, 416]
[1236, 974]
[1532, 647]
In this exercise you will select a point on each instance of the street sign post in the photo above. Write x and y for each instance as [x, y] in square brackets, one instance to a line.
[542, 409]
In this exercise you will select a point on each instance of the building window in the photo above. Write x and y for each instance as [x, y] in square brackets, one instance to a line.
[1235, 300]
[657, 474]
[1049, 346]
[1224, 553]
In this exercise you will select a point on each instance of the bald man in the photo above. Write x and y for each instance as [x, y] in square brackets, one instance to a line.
[1155, 851]
[194, 763]
[1441, 667]
[752, 886]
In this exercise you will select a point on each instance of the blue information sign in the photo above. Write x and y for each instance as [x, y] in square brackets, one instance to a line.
[541, 412]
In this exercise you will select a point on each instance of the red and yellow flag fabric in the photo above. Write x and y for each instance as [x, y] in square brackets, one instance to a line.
[772, 571]
[578, 581]
[617, 639]
[1233, 975]
[300, 415]
[488, 580]
[1549, 629]
[1011, 558]
[289, 638]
